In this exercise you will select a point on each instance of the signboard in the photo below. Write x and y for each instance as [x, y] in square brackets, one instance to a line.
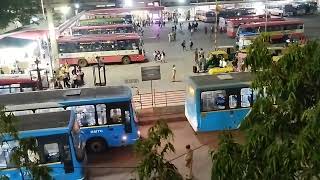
[150, 73]
[131, 81]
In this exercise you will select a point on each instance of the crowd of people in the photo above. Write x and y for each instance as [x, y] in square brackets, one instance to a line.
[70, 79]
[159, 56]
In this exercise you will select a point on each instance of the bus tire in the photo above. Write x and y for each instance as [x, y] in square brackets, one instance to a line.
[96, 145]
[82, 63]
[126, 60]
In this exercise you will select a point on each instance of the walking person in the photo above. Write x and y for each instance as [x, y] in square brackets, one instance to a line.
[162, 58]
[190, 44]
[183, 44]
[189, 160]
[174, 72]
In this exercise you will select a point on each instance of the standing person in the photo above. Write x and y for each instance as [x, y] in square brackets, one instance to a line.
[189, 26]
[192, 30]
[74, 80]
[169, 36]
[189, 160]
[174, 72]
[205, 30]
[201, 52]
[196, 56]
[163, 55]
[66, 80]
[155, 56]
[175, 28]
[191, 44]
[158, 56]
[81, 74]
[181, 26]
[183, 44]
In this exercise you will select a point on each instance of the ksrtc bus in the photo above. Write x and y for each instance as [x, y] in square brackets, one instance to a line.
[223, 21]
[11, 83]
[206, 16]
[59, 143]
[233, 25]
[84, 50]
[101, 21]
[105, 114]
[106, 29]
[218, 102]
[279, 30]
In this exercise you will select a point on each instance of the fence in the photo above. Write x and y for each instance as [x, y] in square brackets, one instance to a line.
[159, 99]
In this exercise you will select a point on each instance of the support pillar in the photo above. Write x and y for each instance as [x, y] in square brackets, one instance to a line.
[53, 41]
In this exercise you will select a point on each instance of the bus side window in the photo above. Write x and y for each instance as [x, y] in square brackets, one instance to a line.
[213, 100]
[115, 116]
[52, 153]
[233, 101]
[102, 114]
[85, 115]
[246, 97]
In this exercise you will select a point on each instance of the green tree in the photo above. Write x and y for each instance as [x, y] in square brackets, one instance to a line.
[17, 10]
[26, 154]
[282, 131]
[152, 150]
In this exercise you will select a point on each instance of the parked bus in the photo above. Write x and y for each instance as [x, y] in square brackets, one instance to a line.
[83, 50]
[106, 29]
[59, 143]
[279, 30]
[223, 21]
[101, 21]
[11, 83]
[233, 25]
[105, 114]
[206, 16]
[218, 102]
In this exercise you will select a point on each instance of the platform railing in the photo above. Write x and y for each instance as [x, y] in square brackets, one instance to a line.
[159, 99]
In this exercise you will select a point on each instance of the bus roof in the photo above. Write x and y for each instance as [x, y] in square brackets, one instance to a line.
[102, 26]
[63, 97]
[98, 37]
[272, 23]
[44, 121]
[221, 80]
[237, 22]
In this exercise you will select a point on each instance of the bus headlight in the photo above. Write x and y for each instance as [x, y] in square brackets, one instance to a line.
[124, 138]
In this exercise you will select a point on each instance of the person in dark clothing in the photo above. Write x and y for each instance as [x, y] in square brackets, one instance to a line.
[183, 44]
[191, 44]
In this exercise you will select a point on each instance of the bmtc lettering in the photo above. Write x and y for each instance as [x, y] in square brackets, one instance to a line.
[96, 131]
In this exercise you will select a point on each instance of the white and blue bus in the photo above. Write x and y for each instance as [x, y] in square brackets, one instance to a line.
[218, 102]
[105, 114]
[60, 146]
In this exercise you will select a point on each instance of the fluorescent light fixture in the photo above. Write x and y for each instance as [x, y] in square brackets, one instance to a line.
[128, 3]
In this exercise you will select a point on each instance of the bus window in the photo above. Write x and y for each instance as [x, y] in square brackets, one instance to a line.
[51, 153]
[115, 116]
[6, 150]
[213, 100]
[102, 114]
[246, 97]
[85, 115]
[233, 99]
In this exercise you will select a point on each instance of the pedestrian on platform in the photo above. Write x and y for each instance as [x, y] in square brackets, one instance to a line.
[183, 44]
[201, 52]
[169, 36]
[180, 26]
[163, 55]
[174, 72]
[190, 44]
[189, 160]
[154, 56]
[196, 56]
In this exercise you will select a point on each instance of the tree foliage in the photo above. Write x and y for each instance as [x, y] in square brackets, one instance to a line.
[152, 150]
[17, 10]
[25, 156]
[283, 129]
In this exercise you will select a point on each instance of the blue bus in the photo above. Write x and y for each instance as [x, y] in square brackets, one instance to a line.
[218, 102]
[59, 143]
[105, 114]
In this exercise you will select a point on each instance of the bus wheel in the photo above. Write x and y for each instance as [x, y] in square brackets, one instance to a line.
[82, 63]
[126, 60]
[96, 146]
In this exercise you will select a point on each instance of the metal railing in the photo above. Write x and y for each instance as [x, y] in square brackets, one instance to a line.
[159, 99]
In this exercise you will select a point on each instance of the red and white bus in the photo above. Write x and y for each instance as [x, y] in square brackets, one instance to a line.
[278, 30]
[233, 25]
[105, 29]
[83, 50]
[223, 21]
[12, 83]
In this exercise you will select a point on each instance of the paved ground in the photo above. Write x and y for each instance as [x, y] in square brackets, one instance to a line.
[118, 163]
[117, 74]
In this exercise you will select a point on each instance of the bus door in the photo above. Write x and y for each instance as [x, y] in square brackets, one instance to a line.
[55, 152]
[233, 96]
